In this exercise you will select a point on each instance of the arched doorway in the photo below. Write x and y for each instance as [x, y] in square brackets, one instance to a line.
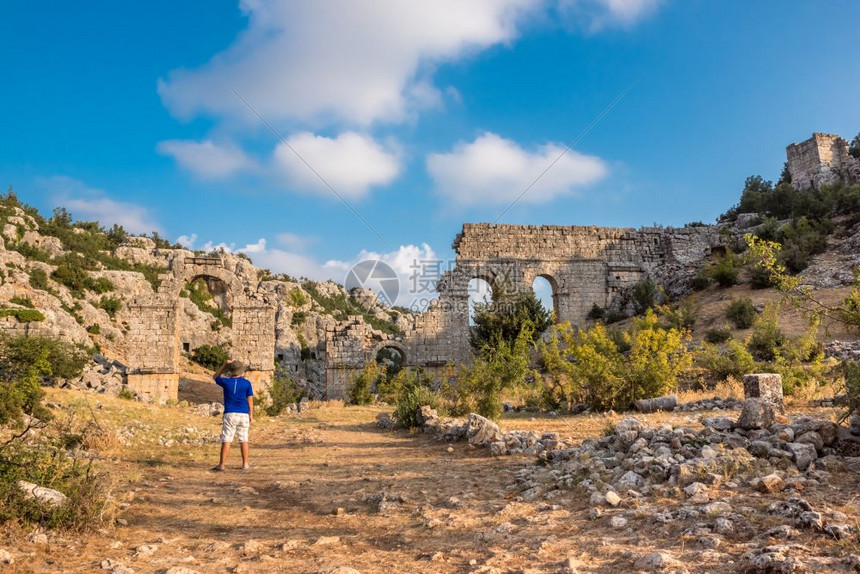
[205, 313]
[392, 358]
[480, 297]
[546, 290]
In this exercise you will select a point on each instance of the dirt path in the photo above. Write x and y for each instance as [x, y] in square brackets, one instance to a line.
[406, 505]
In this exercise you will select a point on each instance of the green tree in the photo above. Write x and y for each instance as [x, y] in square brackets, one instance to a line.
[27, 362]
[609, 371]
[507, 317]
[854, 149]
[500, 367]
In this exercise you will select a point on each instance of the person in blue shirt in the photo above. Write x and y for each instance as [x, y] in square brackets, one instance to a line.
[238, 409]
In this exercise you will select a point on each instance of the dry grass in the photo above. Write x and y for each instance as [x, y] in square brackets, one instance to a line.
[443, 510]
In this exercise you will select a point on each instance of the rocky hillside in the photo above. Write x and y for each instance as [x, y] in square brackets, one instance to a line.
[72, 280]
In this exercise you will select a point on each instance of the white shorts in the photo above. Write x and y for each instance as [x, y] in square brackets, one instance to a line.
[235, 424]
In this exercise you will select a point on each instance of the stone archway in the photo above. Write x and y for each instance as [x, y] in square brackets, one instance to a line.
[153, 341]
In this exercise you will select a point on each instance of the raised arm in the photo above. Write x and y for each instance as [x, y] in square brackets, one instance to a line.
[221, 369]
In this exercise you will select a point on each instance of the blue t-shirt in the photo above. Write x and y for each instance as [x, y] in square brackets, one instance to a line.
[236, 393]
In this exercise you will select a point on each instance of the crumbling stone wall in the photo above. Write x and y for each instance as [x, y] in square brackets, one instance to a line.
[823, 159]
[153, 338]
[584, 265]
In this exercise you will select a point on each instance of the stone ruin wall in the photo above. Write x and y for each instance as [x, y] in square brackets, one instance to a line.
[584, 265]
[823, 159]
[153, 338]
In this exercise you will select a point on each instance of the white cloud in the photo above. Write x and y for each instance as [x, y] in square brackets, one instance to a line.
[597, 15]
[187, 241]
[334, 61]
[90, 204]
[417, 266]
[495, 170]
[351, 163]
[207, 159]
[294, 241]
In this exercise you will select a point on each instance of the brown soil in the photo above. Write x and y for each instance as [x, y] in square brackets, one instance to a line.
[443, 512]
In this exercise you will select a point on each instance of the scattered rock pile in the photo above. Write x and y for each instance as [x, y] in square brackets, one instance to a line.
[713, 404]
[642, 459]
[102, 375]
[843, 350]
[483, 433]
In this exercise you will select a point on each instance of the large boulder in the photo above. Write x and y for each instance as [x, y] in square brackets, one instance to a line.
[482, 431]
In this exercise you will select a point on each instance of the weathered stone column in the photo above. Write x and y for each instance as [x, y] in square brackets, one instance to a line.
[765, 386]
[153, 348]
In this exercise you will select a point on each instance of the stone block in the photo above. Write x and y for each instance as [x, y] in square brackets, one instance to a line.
[765, 386]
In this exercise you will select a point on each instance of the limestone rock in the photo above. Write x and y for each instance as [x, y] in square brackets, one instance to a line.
[481, 431]
[804, 454]
[47, 496]
[655, 562]
[765, 386]
[771, 483]
[756, 414]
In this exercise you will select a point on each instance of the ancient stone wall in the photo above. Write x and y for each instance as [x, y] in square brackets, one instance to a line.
[823, 159]
[585, 266]
[153, 337]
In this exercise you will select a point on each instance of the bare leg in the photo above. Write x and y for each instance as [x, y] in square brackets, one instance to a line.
[245, 448]
[225, 450]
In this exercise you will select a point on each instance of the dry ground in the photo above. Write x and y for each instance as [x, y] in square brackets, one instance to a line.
[443, 512]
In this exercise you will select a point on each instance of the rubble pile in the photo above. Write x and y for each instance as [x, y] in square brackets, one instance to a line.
[102, 375]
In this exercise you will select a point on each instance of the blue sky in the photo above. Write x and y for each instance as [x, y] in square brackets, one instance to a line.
[422, 115]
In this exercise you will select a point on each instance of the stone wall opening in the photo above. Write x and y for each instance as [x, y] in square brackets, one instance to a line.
[480, 293]
[546, 290]
[392, 358]
[205, 312]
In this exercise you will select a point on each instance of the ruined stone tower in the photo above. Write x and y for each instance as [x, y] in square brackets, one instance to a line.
[823, 159]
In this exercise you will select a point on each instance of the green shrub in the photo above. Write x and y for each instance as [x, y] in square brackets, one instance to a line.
[297, 298]
[111, 305]
[23, 315]
[801, 240]
[597, 369]
[415, 393]
[734, 360]
[725, 272]
[282, 393]
[498, 368]
[681, 316]
[31, 252]
[94, 329]
[741, 312]
[361, 391]
[644, 295]
[210, 356]
[767, 340]
[23, 301]
[298, 318]
[39, 279]
[760, 277]
[701, 281]
[127, 394]
[851, 375]
[25, 363]
[74, 277]
[717, 336]
[597, 313]
[100, 285]
[504, 320]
